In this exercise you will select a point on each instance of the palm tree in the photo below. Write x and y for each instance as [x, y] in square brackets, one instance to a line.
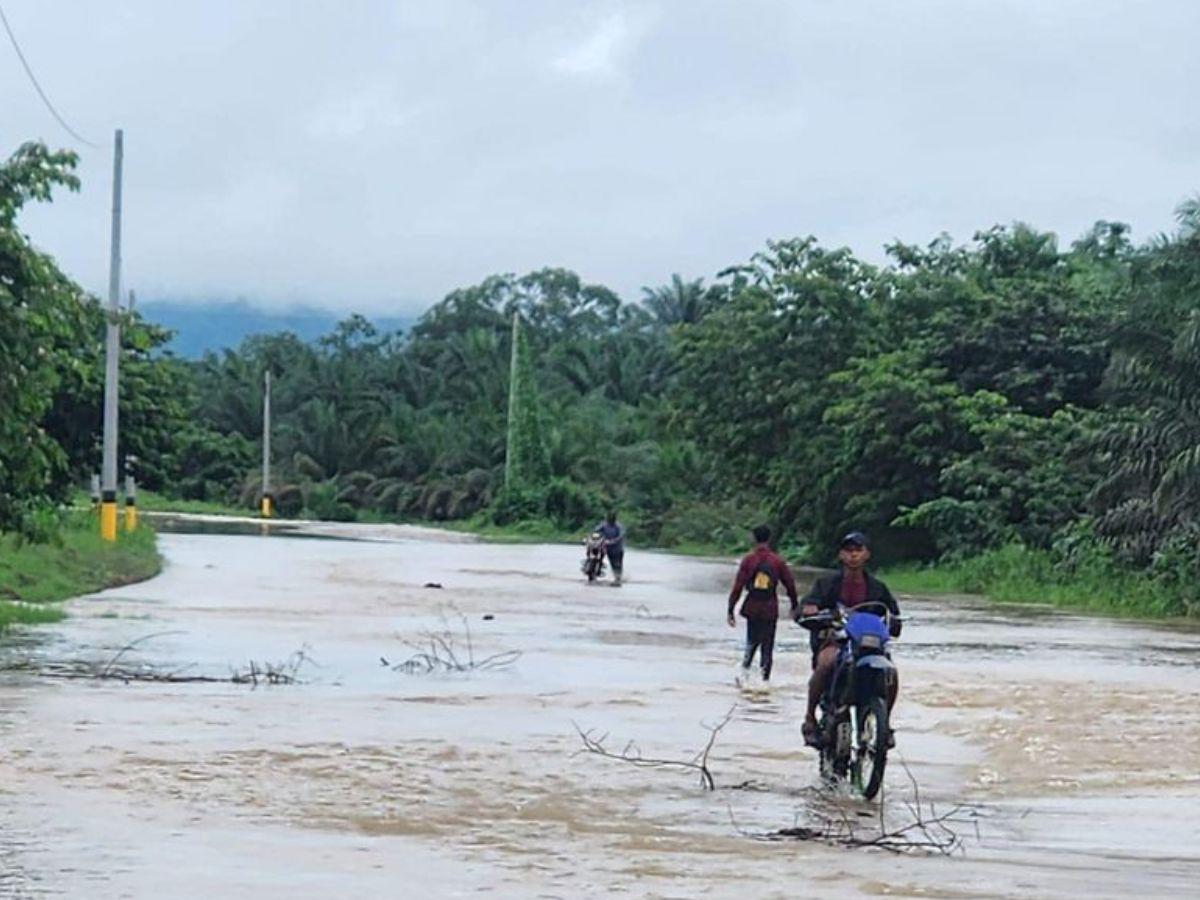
[1153, 490]
[678, 303]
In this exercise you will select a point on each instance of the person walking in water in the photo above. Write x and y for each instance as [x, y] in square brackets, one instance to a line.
[613, 533]
[759, 574]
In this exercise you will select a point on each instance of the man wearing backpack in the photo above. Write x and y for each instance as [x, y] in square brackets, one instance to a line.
[759, 575]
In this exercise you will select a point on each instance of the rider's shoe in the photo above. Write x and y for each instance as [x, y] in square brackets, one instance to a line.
[811, 734]
[891, 742]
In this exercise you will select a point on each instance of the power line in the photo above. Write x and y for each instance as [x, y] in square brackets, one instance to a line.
[33, 78]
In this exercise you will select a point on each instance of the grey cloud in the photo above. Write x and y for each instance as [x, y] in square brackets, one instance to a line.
[375, 155]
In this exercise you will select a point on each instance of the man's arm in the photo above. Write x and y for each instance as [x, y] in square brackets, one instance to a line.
[889, 601]
[739, 583]
[814, 600]
[789, 583]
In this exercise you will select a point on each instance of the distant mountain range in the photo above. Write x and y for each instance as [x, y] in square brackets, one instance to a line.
[216, 325]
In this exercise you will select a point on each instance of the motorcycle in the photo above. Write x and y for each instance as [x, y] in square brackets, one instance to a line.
[593, 558]
[853, 724]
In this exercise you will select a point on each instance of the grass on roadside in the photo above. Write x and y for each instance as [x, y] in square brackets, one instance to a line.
[1017, 574]
[27, 614]
[152, 501]
[34, 576]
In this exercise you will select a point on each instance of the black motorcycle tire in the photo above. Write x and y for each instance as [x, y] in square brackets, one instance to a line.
[832, 764]
[873, 747]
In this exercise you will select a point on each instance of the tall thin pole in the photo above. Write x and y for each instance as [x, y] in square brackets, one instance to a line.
[512, 404]
[266, 460]
[112, 349]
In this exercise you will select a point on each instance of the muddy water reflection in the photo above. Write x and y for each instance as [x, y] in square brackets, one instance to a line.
[1081, 739]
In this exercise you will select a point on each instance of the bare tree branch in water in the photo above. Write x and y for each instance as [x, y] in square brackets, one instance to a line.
[112, 662]
[284, 672]
[255, 673]
[632, 753]
[926, 830]
[438, 651]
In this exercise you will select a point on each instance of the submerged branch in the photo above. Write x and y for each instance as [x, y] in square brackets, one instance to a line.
[437, 651]
[632, 753]
[255, 673]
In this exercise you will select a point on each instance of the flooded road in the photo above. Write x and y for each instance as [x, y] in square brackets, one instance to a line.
[1077, 741]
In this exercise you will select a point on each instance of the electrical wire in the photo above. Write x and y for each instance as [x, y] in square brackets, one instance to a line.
[33, 78]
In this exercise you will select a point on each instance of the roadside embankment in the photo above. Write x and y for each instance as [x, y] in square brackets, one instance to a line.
[1016, 574]
[34, 578]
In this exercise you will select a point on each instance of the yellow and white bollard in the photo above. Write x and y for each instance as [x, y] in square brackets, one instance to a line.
[108, 515]
[131, 515]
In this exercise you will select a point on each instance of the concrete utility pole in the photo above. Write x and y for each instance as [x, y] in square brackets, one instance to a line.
[512, 399]
[267, 500]
[131, 515]
[112, 350]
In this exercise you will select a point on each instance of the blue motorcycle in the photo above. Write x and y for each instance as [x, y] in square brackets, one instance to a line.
[853, 713]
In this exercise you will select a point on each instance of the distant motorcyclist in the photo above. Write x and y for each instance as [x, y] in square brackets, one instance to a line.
[759, 575]
[850, 586]
[613, 533]
[593, 556]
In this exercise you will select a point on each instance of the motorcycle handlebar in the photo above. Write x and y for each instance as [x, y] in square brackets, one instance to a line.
[827, 617]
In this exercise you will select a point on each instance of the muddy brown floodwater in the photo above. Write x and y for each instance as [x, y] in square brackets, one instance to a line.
[1077, 739]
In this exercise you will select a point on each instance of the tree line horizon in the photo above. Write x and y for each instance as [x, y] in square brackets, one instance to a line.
[958, 399]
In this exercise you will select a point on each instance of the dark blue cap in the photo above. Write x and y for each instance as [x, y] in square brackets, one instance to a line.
[856, 538]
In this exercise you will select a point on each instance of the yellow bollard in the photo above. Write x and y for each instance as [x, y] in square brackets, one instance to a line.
[265, 509]
[130, 515]
[108, 519]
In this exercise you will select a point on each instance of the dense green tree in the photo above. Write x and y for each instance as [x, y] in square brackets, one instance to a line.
[43, 324]
[1151, 446]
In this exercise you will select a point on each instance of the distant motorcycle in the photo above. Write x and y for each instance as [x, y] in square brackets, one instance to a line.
[853, 722]
[593, 558]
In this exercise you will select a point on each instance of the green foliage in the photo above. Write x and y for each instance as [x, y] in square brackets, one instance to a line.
[515, 503]
[895, 424]
[1150, 447]
[570, 506]
[1024, 480]
[42, 326]
[203, 464]
[566, 505]
[1092, 581]
[75, 561]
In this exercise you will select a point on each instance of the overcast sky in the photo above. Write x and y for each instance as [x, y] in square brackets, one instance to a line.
[368, 155]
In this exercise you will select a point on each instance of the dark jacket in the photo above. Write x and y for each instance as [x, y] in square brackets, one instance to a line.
[826, 593]
[762, 609]
[614, 534]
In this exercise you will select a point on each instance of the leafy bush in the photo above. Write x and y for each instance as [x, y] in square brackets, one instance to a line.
[569, 505]
[517, 504]
[322, 503]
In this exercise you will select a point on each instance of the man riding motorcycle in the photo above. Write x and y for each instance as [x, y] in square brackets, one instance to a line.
[849, 587]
